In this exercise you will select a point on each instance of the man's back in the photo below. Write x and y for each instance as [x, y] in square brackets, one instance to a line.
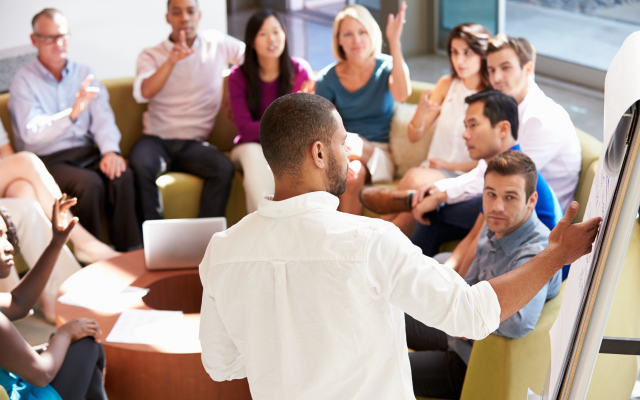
[308, 303]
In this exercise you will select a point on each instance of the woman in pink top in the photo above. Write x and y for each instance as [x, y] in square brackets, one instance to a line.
[268, 72]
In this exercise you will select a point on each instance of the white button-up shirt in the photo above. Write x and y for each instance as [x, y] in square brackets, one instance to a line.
[307, 303]
[187, 105]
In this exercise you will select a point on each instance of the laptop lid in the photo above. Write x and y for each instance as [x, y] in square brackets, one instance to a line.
[178, 243]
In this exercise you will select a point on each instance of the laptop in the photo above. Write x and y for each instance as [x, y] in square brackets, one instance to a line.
[178, 243]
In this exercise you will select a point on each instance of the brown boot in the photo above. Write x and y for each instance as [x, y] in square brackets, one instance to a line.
[386, 201]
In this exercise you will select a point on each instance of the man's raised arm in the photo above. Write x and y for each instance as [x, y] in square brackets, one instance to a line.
[567, 243]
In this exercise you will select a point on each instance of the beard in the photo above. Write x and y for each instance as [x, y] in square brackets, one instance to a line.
[337, 178]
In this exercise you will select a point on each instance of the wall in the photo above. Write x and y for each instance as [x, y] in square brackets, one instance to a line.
[108, 35]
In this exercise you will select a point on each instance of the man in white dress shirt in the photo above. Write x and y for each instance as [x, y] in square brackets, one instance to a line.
[546, 133]
[308, 303]
[181, 79]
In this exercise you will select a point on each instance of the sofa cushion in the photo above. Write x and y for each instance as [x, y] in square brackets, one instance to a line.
[407, 155]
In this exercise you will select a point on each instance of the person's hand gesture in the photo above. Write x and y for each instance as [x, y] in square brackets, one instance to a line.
[395, 24]
[573, 241]
[180, 49]
[425, 105]
[437, 163]
[425, 200]
[112, 165]
[59, 219]
[79, 328]
[308, 86]
[83, 98]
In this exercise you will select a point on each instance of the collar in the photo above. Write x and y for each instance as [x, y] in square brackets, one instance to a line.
[516, 147]
[534, 90]
[517, 238]
[298, 205]
[47, 74]
[168, 44]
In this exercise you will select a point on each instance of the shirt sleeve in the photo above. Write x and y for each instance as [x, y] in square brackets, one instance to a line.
[431, 293]
[248, 128]
[103, 126]
[464, 187]
[525, 320]
[145, 67]
[234, 49]
[220, 356]
[33, 125]
[540, 142]
[303, 74]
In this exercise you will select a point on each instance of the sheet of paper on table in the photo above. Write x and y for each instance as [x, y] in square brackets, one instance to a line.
[112, 300]
[145, 327]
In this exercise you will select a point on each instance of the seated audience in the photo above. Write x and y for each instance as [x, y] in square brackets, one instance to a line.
[71, 127]
[512, 236]
[307, 302]
[546, 133]
[491, 128]
[363, 85]
[448, 155]
[267, 73]
[181, 79]
[71, 365]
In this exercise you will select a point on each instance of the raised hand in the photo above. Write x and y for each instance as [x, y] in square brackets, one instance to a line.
[395, 24]
[425, 105]
[112, 165]
[59, 219]
[81, 327]
[83, 97]
[573, 241]
[308, 86]
[180, 49]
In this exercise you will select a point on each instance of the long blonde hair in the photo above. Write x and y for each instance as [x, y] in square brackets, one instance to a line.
[362, 15]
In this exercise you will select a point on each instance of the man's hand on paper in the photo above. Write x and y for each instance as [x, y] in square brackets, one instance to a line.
[572, 241]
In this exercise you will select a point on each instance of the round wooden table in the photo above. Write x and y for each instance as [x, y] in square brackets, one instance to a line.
[138, 371]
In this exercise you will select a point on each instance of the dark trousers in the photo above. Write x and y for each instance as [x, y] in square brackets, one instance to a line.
[449, 222]
[77, 172]
[152, 156]
[80, 376]
[435, 371]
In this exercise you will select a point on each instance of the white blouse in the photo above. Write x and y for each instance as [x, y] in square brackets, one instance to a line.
[447, 143]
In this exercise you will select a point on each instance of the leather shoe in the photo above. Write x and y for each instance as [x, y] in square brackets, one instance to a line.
[386, 201]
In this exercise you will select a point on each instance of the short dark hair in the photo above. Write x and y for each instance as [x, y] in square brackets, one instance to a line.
[498, 107]
[47, 12]
[521, 46]
[12, 232]
[514, 162]
[169, 3]
[290, 125]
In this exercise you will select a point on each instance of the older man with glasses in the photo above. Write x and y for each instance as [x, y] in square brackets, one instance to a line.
[71, 127]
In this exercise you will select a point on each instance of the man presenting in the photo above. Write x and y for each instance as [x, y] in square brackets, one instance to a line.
[307, 302]
[59, 117]
[181, 79]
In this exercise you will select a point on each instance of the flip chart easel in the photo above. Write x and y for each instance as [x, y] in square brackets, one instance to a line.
[616, 189]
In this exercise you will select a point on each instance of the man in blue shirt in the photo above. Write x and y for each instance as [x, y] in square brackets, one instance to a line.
[513, 235]
[71, 127]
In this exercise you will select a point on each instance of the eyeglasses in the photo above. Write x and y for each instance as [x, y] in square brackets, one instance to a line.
[52, 39]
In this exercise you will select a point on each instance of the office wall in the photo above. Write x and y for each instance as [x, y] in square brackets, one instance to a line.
[108, 35]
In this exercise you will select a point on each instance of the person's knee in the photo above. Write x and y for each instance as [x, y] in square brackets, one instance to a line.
[89, 185]
[410, 180]
[144, 159]
[126, 180]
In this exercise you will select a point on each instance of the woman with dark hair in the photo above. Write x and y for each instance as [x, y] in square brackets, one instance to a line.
[448, 156]
[71, 365]
[267, 73]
